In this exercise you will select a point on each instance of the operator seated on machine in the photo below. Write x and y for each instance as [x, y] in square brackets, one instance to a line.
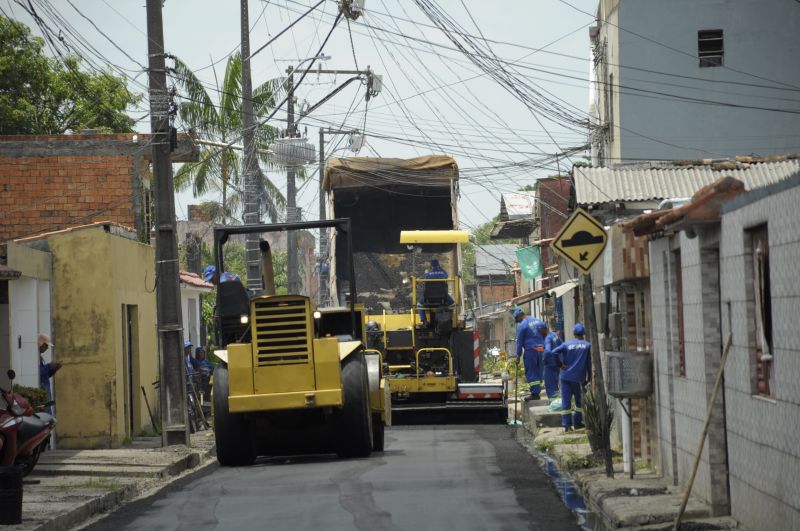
[434, 294]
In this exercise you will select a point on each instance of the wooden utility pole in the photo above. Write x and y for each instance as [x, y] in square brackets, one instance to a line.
[598, 382]
[249, 159]
[174, 428]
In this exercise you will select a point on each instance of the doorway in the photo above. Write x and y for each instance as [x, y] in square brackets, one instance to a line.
[130, 365]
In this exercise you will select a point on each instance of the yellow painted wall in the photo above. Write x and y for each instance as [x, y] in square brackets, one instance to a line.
[31, 262]
[94, 274]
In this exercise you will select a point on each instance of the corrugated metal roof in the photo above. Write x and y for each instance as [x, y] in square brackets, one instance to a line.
[495, 259]
[607, 185]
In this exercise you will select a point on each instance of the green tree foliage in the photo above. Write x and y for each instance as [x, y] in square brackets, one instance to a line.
[220, 121]
[42, 95]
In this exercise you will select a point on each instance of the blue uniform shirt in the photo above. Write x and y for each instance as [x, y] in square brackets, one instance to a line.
[528, 336]
[550, 343]
[575, 356]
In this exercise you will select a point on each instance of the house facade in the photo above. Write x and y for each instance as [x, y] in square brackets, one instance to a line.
[103, 318]
[678, 80]
[723, 277]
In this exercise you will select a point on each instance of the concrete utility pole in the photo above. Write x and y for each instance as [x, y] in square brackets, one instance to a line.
[323, 242]
[174, 429]
[249, 160]
[292, 213]
[598, 381]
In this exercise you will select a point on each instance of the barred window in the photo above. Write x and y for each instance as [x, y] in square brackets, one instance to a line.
[762, 309]
[710, 50]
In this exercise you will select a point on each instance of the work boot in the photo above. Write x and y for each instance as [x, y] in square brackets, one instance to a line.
[567, 429]
[579, 426]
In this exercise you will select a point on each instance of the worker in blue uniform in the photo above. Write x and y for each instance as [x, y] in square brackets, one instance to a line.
[530, 340]
[576, 370]
[551, 365]
[434, 273]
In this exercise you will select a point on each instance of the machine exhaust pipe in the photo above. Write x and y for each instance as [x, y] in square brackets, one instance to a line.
[266, 267]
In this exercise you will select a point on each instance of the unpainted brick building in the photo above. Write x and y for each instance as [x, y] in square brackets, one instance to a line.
[48, 182]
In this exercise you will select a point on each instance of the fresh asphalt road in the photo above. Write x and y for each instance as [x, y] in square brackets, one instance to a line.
[429, 478]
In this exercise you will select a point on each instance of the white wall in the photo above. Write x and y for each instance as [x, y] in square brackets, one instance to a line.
[29, 306]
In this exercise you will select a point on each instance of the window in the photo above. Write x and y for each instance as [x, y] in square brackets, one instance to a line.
[678, 294]
[709, 48]
[762, 308]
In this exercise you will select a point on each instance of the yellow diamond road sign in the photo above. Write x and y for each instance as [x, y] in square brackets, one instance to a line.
[581, 241]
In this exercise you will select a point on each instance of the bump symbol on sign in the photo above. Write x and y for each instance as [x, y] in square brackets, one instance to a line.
[581, 241]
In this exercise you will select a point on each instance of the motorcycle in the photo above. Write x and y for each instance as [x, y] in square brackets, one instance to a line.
[24, 434]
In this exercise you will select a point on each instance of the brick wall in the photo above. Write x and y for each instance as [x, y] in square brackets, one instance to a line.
[553, 210]
[48, 182]
[39, 194]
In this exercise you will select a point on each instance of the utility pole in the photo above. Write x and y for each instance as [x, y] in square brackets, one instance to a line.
[174, 429]
[250, 162]
[374, 85]
[292, 213]
[323, 242]
[598, 381]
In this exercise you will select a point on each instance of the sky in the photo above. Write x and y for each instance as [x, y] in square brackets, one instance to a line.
[434, 98]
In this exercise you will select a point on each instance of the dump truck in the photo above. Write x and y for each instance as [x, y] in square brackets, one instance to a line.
[294, 378]
[431, 365]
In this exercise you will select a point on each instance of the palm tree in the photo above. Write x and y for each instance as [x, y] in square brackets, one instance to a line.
[222, 123]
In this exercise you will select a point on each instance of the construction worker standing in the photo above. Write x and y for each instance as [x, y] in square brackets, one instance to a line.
[530, 339]
[576, 370]
[551, 365]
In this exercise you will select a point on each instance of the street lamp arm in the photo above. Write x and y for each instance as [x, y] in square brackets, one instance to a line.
[326, 98]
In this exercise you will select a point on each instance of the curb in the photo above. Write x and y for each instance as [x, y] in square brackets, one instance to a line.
[84, 513]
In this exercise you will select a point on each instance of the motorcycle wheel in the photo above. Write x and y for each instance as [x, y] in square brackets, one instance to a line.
[26, 462]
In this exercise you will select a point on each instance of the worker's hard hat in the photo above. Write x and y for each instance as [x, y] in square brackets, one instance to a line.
[434, 263]
[579, 329]
[187, 344]
[208, 273]
[44, 339]
[539, 325]
[517, 313]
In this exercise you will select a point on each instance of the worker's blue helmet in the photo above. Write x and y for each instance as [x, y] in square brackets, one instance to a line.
[517, 313]
[579, 329]
[187, 344]
[539, 325]
[208, 273]
[434, 263]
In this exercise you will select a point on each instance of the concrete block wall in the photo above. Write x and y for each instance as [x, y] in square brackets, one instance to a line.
[763, 433]
[682, 401]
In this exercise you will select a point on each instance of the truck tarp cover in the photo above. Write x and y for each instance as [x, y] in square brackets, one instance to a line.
[383, 197]
[432, 170]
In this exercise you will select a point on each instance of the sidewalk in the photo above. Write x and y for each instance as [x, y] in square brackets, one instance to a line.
[69, 487]
[647, 501]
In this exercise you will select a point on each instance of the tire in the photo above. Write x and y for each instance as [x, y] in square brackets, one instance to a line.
[26, 463]
[191, 415]
[353, 422]
[378, 428]
[233, 433]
